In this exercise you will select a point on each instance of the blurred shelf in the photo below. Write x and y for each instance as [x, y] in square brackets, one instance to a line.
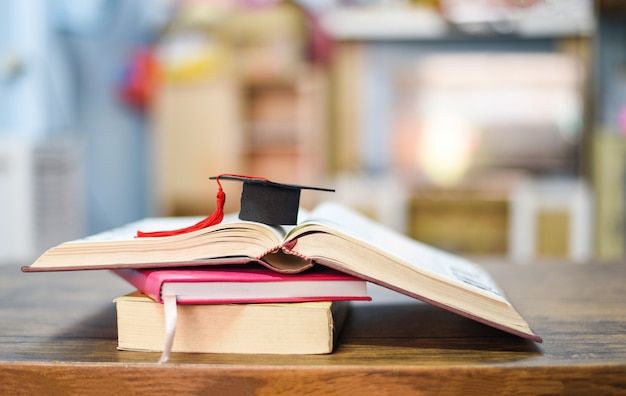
[384, 23]
[555, 20]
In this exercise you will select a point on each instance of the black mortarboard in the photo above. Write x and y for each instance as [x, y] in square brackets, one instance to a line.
[268, 202]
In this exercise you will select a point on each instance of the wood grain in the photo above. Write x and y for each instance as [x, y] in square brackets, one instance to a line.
[58, 336]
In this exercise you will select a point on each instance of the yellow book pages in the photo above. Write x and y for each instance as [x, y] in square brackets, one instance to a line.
[285, 328]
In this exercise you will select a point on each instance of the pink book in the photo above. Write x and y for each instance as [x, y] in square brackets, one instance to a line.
[244, 284]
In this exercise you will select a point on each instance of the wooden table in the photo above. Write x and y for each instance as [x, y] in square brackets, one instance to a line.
[58, 336]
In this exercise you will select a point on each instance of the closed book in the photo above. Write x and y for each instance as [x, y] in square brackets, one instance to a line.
[267, 328]
[244, 284]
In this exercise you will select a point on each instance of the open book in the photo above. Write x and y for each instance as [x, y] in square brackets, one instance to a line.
[330, 235]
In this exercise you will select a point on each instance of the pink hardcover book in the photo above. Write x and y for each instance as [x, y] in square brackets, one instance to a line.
[244, 284]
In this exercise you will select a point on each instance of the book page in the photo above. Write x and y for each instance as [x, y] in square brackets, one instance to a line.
[129, 231]
[394, 244]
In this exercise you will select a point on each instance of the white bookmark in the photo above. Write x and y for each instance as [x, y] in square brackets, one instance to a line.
[171, 314]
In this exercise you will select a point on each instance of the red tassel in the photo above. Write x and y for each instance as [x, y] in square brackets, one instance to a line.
[213, 219]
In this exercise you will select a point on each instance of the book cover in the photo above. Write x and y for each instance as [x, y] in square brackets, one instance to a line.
[244, 284]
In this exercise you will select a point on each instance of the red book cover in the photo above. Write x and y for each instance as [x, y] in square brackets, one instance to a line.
[245, 284]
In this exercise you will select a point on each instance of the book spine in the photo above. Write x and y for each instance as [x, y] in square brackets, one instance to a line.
[288, 248]
[267, 259]
[149, 286]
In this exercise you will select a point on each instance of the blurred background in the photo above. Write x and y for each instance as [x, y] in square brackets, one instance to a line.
[490, 128]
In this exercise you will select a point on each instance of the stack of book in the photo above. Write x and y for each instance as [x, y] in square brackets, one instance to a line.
[234, 309]
[333, 251]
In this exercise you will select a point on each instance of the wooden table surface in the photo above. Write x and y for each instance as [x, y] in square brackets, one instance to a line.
[58, 336]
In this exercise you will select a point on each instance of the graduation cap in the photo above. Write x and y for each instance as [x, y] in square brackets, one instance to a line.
[268, 202]
[262, 200]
